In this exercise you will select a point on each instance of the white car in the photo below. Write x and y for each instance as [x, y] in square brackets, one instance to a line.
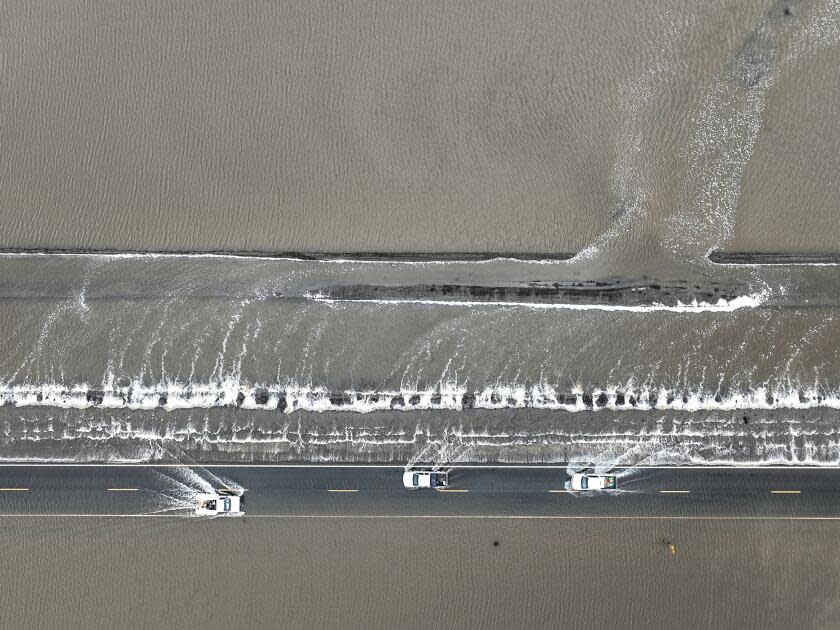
[580, 481]
[416, 479]
[222, 504]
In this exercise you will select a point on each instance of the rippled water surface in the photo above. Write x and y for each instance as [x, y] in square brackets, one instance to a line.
[592, 153]
[542, 574]
[634, 137]
[420, 127]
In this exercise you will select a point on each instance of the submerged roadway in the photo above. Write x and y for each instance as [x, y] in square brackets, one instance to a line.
[289, 491]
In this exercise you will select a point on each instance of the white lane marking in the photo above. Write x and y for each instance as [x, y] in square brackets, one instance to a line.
[123, 489]
[785, 492]
[562, 491]
[451, 490]
[674, 491]
[14, 489]
[339, 490]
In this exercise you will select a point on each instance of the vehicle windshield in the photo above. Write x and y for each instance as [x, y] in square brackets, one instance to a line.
[584, 483]
[227, 505]
[415, 481]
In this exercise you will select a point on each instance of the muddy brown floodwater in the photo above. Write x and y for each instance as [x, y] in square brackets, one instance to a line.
[292, 573]
[625, 141]
[419, 127]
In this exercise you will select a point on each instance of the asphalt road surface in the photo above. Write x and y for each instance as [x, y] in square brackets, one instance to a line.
[377, 491]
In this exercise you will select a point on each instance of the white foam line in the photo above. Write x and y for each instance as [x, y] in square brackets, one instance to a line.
[443, 397]
[331, 261]
[721, 306]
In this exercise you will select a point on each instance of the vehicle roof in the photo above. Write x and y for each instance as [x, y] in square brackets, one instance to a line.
[234, 499]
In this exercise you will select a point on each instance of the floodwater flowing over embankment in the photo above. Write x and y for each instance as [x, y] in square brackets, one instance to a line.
[449, 397]
[604, 438]
[229, 360]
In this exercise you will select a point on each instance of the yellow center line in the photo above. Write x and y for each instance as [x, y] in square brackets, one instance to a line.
[337, 490]
[452, 490]
[674, 491]
[14, 489]
[123, 489]
[786, 491]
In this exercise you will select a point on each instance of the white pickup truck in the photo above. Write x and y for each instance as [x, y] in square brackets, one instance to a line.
[581, 481]
[223, 503]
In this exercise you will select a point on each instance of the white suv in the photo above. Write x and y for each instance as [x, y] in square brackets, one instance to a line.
[416, 479]
[581, 481]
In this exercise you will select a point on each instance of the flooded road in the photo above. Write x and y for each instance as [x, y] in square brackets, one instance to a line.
[508, 551]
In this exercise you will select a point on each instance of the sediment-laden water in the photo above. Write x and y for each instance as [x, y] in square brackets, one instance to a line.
[659, 155]
[603, 233]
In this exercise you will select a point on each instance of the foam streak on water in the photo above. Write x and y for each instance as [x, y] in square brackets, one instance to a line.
[447, 396]
[721, 306]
